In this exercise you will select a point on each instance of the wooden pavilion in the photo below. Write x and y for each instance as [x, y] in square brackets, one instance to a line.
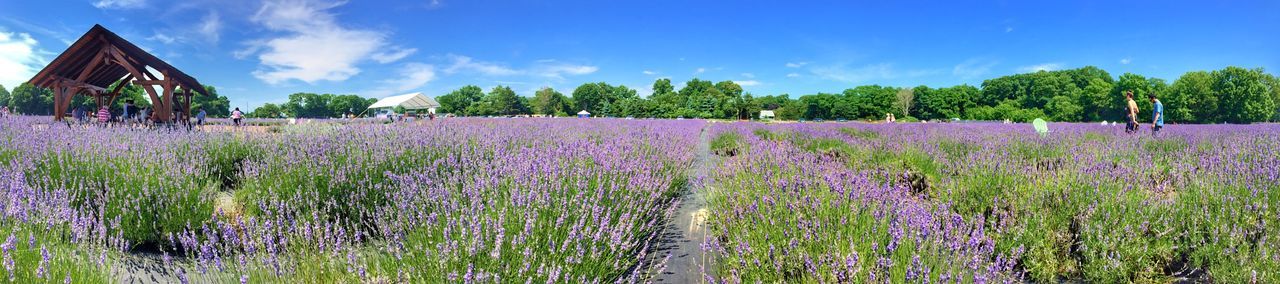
[100, 58]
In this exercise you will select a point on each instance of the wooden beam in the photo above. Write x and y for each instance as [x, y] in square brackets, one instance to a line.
[155, 98]
[75, 83]
[93, 63]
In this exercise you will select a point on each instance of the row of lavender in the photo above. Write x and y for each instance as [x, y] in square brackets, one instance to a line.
[448, 201]
[992, 203]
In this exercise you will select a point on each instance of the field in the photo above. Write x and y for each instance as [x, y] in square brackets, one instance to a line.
[594, 201]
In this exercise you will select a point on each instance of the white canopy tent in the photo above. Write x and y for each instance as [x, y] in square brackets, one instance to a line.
[414, 101]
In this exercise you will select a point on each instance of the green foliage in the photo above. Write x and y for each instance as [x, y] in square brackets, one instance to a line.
[459, 101]
[727, 144]
[214, 105]
[1246, 95]
[500, 101]
[268, 110]
[29, 99]
[548, 101]
[599, 98]
[4, 96]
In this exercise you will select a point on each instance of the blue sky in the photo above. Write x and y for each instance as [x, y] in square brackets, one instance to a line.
[262, 51]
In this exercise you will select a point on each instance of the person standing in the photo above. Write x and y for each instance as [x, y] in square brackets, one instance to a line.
[236, 115]
[200, 117]
[104, 115]
[1157, 114]
[1131, 112]
[124, 113]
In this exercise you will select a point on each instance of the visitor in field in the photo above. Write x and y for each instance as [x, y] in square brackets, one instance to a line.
[1157, 114]
[144, 115]
[1131, 112]
[104, 115]
[200, 117]
[236, 116]
[124, 112]
[78, 114]
[4, 111]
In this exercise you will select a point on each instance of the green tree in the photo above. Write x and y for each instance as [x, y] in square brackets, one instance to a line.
[268, 110]
[701, 99]
[4, 96]
[1141, 86]
[1064, 108]
[1191, 98]
[599, 98]
[341, 105]
[548, 101]
[1096, 100]
[214, 105]
[308, 105]
[503, 101]
[32, 100]
[460, 100]
[1245, 95]
[870, 102]
[732, 103]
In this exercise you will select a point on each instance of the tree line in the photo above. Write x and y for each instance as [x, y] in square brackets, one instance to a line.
[1232, 95]
[33, 100]
[310, 105]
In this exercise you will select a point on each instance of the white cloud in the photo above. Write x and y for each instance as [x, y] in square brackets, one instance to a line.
[793, 75]
[415, 75]
[796, 64]
[393, 54]
[119, 4]
[747, 83]
[1008, 29]
[19, 58]
[314, 47]
[700, 70]
[748, 75]
[552, 69]
[412, 76]
[973, 68]
[1040, 67]
[647, 72]
[210, 27]
[1125, 61]
[855, 75]
[162, 38]
[466, 64]
[548, 68]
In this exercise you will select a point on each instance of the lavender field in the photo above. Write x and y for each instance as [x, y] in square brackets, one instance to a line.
[593, 201]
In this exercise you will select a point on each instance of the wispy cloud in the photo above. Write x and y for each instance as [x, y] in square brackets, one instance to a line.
[973, 68]
[1126, 61]
[865, 73]
[796, 64]
[466, 64]
[1040, 67]
[392, 54]
[210, 27]
[120, 4]
[650, 73]
[747, 83]
[547, 68]
[748, 75]
[20, 58]
[314, 46]
[700, 70]
[411, 76]
[793, 75]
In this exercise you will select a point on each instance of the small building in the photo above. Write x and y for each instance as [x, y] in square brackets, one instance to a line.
[584, 114]
[766, 115]
[417, 102]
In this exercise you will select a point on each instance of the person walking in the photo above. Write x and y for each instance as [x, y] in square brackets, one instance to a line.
[1157, 114]
[236, 116]
[1131, 112]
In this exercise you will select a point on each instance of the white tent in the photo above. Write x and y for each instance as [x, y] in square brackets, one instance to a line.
[414, 101]
[766, 114]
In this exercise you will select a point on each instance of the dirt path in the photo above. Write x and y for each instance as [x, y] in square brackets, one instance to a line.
[687, 231]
